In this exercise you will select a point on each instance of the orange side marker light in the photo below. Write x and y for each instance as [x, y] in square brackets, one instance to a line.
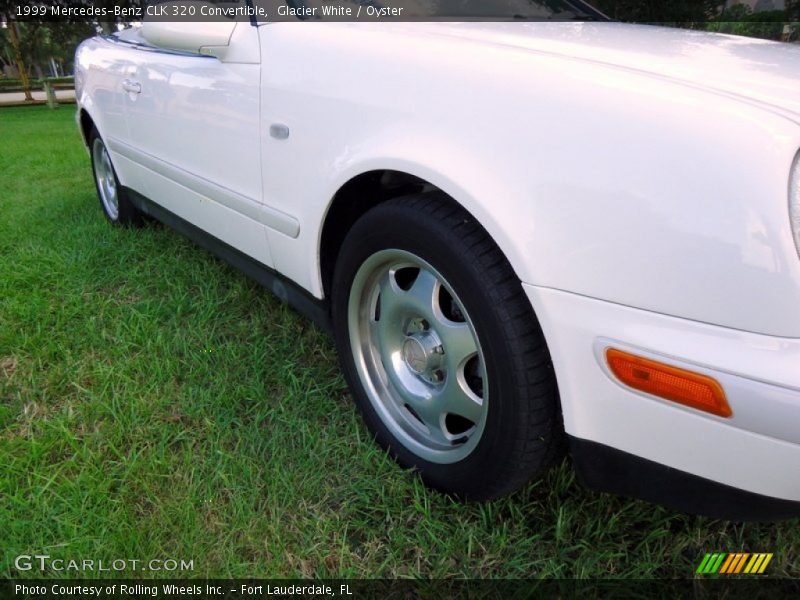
[671, 383]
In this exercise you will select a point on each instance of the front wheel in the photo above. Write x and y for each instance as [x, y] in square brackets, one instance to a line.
[442, 351]
[115, 203]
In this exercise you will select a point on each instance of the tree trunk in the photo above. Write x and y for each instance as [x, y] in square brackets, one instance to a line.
[23, 72]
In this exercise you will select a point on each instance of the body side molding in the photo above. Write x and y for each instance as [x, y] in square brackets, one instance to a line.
[272, 218]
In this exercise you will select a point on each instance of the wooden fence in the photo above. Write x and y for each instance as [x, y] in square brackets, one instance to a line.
[49, 85]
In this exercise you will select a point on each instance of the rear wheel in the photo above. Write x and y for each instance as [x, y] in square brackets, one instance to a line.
[115, 203]
[442, 350]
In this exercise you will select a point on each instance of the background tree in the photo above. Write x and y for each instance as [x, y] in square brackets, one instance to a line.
[43, 44]
[661, 11]
[709, 15]
[15, 51]
[40, 46]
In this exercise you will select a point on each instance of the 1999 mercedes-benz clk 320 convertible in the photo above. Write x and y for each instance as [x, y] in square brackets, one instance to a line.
[525, 236]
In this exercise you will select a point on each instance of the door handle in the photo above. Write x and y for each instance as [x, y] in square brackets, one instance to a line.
[132, 86]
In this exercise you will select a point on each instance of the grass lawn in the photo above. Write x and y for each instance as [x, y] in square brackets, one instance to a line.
[156, 404]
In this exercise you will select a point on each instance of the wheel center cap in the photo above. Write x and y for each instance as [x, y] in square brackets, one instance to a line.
[418, 351]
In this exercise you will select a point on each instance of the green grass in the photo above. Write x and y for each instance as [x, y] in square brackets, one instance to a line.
[154, 403]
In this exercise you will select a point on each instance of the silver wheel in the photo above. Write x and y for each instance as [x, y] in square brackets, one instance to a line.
[418, 357]
[106, 182]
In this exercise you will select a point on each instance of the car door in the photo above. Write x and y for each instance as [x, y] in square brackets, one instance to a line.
[101, 88]
[194, 136]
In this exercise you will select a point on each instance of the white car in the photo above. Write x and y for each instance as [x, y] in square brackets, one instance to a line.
[525, 236]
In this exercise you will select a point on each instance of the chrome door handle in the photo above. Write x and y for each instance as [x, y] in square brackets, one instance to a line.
[132, 86]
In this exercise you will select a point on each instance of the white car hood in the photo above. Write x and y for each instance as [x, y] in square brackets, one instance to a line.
[761, 71]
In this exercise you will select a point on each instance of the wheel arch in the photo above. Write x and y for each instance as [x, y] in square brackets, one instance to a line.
[351, 201]
[369, 188]
[85, 123]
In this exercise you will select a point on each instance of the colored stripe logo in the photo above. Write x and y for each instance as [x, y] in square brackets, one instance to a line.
[734, 563]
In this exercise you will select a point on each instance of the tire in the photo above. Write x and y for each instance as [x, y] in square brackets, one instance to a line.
[115, 203]
[441, 349]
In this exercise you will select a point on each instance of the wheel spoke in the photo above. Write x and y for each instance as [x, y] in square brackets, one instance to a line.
[458, 342]
[390, 338]
[433, 417]
[390, 300]
[456, 400]
[424, 293]
[388, 346]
